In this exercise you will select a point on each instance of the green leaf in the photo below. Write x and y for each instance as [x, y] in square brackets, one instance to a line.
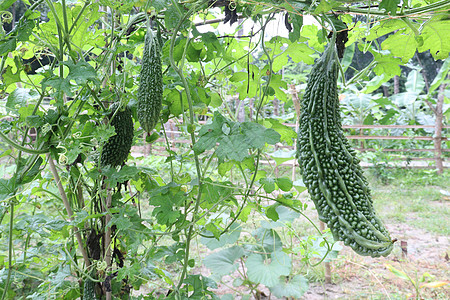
[386, 65]
[225, 167]
[167, 201]
[272, 213]
[229, 237]
[435, 39]
[260, 271]
[29, 176]
[390, 6]
[415, 82]
[401, 44]
[287, 133]
[239, 76]
[299, 185]
[81, 72]
[440, 77]
[59, 84]
[348, 57]
[284, 183]
[7, 188]
[319, 249]
[323, 7]
[385, 27]
[269, 239]
[300, 52]
[7, 46]
[293, 287]
[9, 77]
[286, 214]
[223, 262]
[398, 273]
[375, 83]
[268, 184]
[234, 139]
[125, 173]
[172, 15]
[19, 98]
[297, 23]
[281, 156]
[5, 4]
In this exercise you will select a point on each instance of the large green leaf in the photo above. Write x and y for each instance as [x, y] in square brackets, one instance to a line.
[415, 82]
[435, 38]
[440, 77]
[268, 271]
[81, 72]
[290, 287]
[268, 239]
[223, 262]
[19, 98]
[234, 139]
[7, 188]
[281, 156]
[390, 6]
[401, 44]
[229, 237]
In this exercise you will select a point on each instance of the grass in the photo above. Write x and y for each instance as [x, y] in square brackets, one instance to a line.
[413, 197]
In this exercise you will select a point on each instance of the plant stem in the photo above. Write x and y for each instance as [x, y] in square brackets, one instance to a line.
[10, 247]
[192, 133]
[108, 241]
[68, 209]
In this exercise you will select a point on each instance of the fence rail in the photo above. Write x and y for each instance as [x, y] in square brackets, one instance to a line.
[178, 138]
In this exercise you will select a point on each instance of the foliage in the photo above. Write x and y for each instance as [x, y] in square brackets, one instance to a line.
[62, 65]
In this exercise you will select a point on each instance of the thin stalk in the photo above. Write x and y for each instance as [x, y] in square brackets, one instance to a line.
[86, 4]
[168, 148]
[192, 134]
[10, 247]
[269, 18]
[68, 209]
[108, 239]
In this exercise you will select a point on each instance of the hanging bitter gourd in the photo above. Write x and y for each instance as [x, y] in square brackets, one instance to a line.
[330, 169]
[150, 90]
[118, 146]
[89, 290]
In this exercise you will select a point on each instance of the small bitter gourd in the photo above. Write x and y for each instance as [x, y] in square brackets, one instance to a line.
[330, 169]
[150, 91]
[89, 290]
[118, 146]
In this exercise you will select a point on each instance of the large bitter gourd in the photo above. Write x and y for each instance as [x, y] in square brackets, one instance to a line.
[330, 169]
[118, 146]
[150, 90]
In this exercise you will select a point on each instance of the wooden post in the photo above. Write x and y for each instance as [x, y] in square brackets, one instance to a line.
[296, 101]
[438, 129]
[396, 84]
[327, 263]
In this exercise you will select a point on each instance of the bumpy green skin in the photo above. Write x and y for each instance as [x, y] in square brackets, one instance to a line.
[118, 146]
[89, 290]
[330, 168]
[151, 86]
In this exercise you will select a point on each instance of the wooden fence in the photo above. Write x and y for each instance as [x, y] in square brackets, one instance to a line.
[178, 139]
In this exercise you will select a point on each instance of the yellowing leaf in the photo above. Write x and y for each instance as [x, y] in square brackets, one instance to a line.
[435, 284]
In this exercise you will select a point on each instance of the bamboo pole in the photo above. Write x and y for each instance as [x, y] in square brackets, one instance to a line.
[326, 263]
[68, 209]
[438, 129]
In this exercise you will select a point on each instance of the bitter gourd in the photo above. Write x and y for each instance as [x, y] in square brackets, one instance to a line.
[89, 290]
[118, 146]
[150, 90]
[330, 169]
